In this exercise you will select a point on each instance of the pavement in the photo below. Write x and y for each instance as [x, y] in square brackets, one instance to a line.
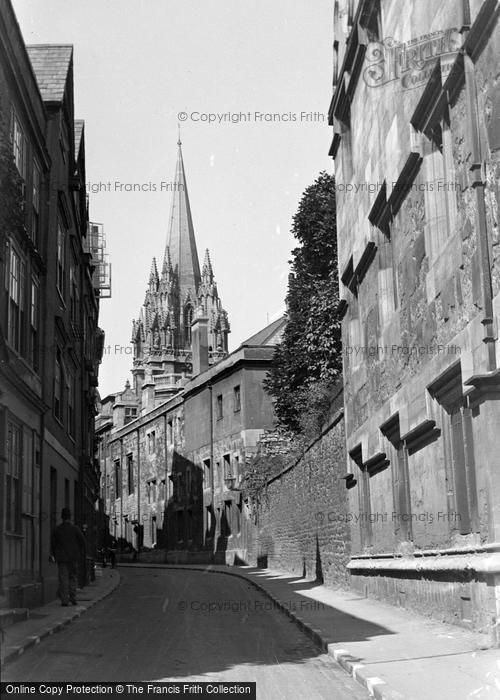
[393, 653]
[50, 618]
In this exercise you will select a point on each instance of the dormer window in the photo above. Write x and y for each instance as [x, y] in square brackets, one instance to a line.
[130, 413]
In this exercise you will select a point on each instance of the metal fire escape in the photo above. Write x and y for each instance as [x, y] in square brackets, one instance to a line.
[96, 246]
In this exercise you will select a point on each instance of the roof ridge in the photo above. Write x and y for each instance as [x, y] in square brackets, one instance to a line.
[264, 334]
[43, 46]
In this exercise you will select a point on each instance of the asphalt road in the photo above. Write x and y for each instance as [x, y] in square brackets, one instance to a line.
[187, 626]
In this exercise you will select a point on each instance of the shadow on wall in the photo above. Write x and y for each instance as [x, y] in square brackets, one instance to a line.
[266, 548]
[319, 568]
[183, 526]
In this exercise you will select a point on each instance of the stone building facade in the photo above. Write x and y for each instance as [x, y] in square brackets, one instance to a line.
[172, 445]
[415, 115]
[50, 342]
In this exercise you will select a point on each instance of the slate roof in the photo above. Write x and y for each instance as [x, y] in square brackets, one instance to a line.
[79, 124]
[270, 335]
[50, 64]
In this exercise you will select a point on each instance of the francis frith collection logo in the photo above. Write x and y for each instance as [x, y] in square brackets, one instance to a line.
[410, 63]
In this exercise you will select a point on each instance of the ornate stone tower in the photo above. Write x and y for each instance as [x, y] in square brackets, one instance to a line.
[161, 336]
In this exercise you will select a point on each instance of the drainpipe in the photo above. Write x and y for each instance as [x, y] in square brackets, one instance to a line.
[40, 506]
[478, 185]
[166, 490]
[212, 464]
[121, 494]
[139, 534]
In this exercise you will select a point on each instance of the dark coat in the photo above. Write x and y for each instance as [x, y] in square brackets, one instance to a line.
[68, 542]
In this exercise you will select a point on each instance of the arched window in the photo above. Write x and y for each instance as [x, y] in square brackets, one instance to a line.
[188, 320]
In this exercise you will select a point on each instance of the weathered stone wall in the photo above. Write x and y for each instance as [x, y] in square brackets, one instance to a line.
[451, 597]
[301, 524]
[157, 464]
[419, 276]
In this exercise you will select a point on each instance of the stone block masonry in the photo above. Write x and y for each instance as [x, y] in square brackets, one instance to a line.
[419, 282]
[302, 521]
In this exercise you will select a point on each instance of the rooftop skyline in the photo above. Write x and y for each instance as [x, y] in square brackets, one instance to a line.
[251, 88]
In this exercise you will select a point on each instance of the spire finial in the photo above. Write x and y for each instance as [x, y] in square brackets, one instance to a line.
[179, 142]
[153, 277]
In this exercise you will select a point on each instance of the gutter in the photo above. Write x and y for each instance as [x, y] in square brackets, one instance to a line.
[479, 564]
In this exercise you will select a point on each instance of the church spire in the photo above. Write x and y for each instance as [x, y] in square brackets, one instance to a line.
[166, 271]
[153, 277]
[181, 240]
[207, 272]
[161, 336]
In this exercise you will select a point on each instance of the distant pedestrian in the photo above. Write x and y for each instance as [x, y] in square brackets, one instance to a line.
[68, 548]
[112, 546]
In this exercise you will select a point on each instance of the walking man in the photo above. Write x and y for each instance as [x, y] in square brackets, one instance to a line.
[68, 547]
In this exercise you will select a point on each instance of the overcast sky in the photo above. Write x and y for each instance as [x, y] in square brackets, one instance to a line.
[137, 66]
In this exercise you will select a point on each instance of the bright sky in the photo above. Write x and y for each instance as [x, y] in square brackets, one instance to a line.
[138, 65]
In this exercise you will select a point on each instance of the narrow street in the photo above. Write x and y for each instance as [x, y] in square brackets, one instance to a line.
[249, 349]
[186, 625]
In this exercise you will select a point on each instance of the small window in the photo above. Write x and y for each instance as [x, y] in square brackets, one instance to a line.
[226, 459]
[152, 442]
[237, 513]
[61, 260]
[463, 466]
[226, 519]
[151, 491]
[130, 413]
[58, 386]
[16, 311]
[13, 479]
[219, 407]
[73, 294]
[19, 146]
[188, 320]
[35, 217]
[237, 399]
[206, 473]
[118, 479]
[130, 473]
[170, 432]
[34, 323]
[71, 404]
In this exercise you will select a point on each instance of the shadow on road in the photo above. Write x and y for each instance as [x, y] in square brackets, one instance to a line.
[184, 624]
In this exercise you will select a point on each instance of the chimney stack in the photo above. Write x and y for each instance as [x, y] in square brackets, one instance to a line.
[148, 391]
[199, 343]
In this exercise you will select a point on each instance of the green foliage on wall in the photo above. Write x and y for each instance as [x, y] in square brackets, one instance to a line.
[308, 362]
[11, 195]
